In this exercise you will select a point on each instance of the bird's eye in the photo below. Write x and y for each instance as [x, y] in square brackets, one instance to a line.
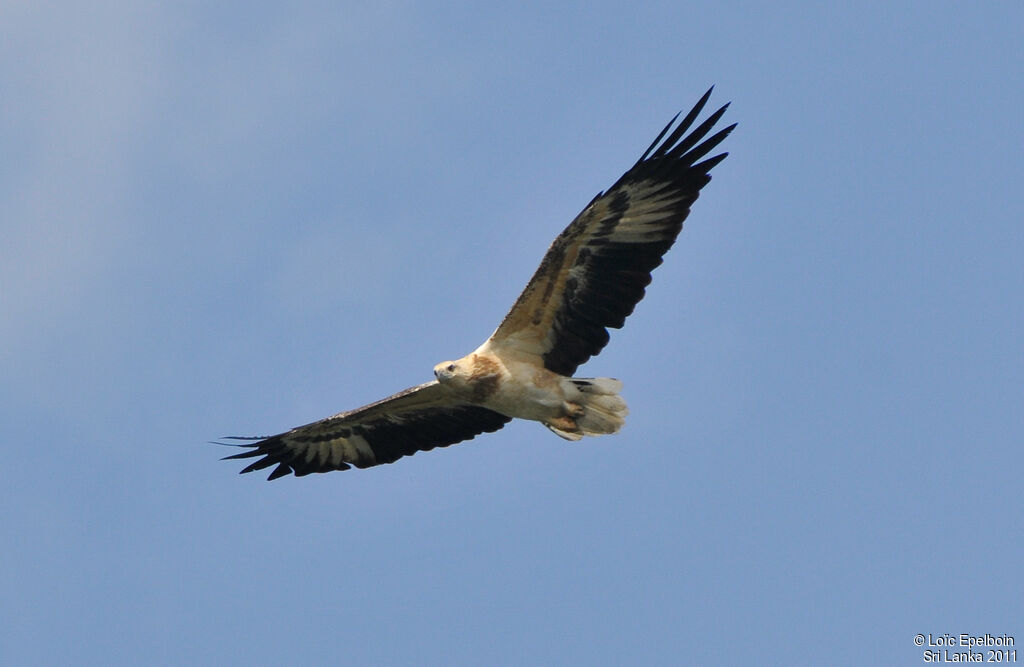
[451, 368]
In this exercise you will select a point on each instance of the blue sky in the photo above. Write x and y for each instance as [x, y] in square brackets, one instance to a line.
[225, 220]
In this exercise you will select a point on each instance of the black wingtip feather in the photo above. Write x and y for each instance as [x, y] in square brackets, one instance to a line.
[280, 471]
[654, 143]
[244, 455]
[258, 465]
[675, 144]
[688, 142]
[705, 147]
[710, 163]
[684, 125]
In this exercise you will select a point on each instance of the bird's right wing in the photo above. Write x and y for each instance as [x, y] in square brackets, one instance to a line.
[416, 419]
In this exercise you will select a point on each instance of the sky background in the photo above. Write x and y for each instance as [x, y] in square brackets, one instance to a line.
[223, 219]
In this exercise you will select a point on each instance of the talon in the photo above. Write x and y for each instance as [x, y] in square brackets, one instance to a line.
[564, 423]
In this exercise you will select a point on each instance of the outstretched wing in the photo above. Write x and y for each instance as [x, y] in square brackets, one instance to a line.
[417, 419]
[595, 272]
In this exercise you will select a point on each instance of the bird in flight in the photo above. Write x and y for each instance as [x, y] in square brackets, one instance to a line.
[591, 278]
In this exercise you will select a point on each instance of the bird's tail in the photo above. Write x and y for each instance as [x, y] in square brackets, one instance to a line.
[593, 407]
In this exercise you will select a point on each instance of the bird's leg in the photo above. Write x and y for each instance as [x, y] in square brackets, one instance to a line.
[573, 410]
[564, 423]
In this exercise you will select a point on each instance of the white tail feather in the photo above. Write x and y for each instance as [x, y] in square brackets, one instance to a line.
[604, 411]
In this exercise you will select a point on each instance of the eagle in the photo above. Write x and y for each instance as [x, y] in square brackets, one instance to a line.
[590, 280]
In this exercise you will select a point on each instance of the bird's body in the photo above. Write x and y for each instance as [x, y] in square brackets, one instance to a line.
[571, 407]
[590, 279]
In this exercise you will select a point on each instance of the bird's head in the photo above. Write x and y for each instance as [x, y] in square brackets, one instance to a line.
[451, 372]
[457, 375]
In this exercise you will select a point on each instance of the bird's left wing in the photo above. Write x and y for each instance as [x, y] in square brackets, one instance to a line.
[413, 420]
[596, 270]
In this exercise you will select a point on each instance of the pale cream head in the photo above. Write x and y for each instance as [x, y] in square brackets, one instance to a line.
[452, 372]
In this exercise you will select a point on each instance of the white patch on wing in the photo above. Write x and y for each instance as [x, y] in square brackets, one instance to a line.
[318, 449]
[356, 448]
[645, 219]
[337, 454]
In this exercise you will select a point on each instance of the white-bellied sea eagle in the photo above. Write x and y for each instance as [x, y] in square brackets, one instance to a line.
[591, 278]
